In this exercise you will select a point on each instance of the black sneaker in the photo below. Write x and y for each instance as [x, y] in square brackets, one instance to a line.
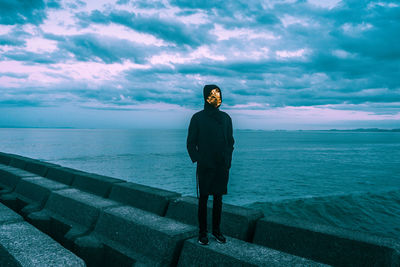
[203, 239]
[219, 237]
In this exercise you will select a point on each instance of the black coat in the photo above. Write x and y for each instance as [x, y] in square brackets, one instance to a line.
[210, 143]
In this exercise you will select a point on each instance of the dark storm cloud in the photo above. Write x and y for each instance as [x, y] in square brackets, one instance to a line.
[147, 4]
[225, 8]
[76, 4]
[287, 83]
[22, 11]
[7, 39]
[91, 47]
[170, 30]
[232, 13]
[27, 97]
[55, 4]
[15, 38]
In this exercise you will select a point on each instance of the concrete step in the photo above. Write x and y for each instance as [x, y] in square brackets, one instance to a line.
[126, 235]
[5, 158]
[328, 244]
[94, 183]
[143, 197]
[61, 174]
[10, 177]
[21, 244]
[238, 253]
[237, 222]
[68, 214]
[30, 194]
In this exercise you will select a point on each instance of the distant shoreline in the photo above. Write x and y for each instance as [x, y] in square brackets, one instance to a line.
[365, 130]
[255, 130]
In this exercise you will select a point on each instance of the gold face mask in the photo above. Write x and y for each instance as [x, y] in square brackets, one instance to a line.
[214, 98]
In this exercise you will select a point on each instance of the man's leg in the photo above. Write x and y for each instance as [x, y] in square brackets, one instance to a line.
[202, 213]
[217, 210]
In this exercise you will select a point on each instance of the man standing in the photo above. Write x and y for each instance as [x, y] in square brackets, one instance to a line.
[210, 143]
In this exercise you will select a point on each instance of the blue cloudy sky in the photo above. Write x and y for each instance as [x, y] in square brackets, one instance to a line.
[281, 64]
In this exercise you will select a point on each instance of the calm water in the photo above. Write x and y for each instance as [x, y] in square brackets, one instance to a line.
[348, 179]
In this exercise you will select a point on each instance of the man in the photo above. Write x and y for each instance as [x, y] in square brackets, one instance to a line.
[210, 143]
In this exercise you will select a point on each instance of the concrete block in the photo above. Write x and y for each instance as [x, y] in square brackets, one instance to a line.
[8, 216]
[69, 213]
[327, 244]
[10, 177]
[134, 236]
[8, 181]
[60, 174]
[94, 183]
[18, 162]
[5, 158]
[20, 172]
[30, 194]
[38, 167]
[21, 244]
[143, 197]
[237, 253]
[238, 222]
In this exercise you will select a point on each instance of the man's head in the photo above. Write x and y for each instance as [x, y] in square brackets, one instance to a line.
[212, 95]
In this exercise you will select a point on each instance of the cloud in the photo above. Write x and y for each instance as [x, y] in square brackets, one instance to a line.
[91, 47]
[35, 58]
[11, 41]
[170, 30]
[265, 55]
[14, 75]
[22, 12]
[15, 37]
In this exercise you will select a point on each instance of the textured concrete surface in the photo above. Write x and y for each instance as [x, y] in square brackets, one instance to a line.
[94, 183]
[32, 191]
[326, 244]
[8, 216]
[38, 167]
[10, 177]
[236, 221]
[236, 253]
[30, 247]
[60, 174]
[8, 181]
[143, 197]
[139, 235]
[5, 158]
[18, 162]
[69, 213]
[7, 170]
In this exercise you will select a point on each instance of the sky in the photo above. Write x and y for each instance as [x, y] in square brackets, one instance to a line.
[280, 64]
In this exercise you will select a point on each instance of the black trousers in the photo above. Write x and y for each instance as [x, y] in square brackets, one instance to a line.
[216, 212]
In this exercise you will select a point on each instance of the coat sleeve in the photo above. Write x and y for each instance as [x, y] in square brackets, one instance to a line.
[231, 141]
[192, 140]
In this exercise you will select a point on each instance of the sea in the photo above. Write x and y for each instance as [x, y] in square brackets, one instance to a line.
[348, 179]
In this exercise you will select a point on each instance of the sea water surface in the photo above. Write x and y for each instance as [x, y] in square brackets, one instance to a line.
[347, 179]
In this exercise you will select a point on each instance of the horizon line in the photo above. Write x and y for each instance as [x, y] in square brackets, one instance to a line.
[237, 129]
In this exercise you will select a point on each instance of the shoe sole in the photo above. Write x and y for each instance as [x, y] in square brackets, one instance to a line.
[219, 241]
[204, 244]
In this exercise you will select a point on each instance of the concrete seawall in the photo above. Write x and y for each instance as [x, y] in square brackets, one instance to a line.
[87, 218]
